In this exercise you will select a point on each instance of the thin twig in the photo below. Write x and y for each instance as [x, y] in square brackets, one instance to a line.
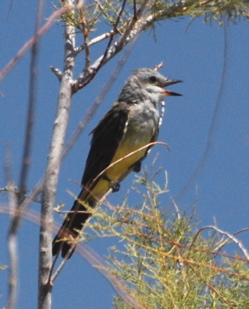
[15, 218]
[85, 32]
[133, 29]
[26, 158]
[94, 41]
[88, 254]
[114, 30]
[50, 21]
[91, 73]
[93, 259]
[12, 236]
[128, 155]
[230, 236]
[13, 253]
[9, 66]
[217, 292]
[57, 72]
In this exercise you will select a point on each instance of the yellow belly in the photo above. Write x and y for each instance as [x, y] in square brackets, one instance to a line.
[131, 142]
[125, 158]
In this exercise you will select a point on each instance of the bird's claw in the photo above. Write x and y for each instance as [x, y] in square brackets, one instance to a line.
[115, 185]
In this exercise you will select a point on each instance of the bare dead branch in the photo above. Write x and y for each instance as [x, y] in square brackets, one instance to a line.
[9, 66]
[13, 253]
[57, 72]
[133, 29]
[12, 236]
[229, 236]
[89, 74]
[85, 32]
[26, 158]
[53, 168]
[114, 31]
[14, 204]
[94, 41]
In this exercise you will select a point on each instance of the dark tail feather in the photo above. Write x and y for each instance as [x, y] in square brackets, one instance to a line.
[73, 221]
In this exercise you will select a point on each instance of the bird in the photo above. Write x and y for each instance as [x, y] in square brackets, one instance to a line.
[127, 128]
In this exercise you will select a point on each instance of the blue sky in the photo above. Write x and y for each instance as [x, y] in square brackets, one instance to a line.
[193, 53]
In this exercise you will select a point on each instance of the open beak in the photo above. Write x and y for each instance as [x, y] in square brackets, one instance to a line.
[168, 83]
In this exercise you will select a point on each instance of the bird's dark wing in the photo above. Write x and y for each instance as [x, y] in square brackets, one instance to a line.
[106, 138]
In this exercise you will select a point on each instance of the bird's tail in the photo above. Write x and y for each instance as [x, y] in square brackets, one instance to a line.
[66, 238]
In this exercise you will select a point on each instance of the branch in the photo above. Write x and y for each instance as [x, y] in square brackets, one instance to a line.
[86, 253]
[133, 29]
[9, 66]
[53, 168]
[57, 72]
[94, 41]
[13, 252]
[229, 236]
[50, 21]
[14, 203]
[12, 235]
[26, 159]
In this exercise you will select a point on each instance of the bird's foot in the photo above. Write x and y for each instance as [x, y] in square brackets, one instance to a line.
[115, 185]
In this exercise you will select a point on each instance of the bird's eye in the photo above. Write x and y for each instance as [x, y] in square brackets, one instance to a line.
[153, 79]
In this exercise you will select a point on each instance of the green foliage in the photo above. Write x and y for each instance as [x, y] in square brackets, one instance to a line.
[108, 11]
[165, 261]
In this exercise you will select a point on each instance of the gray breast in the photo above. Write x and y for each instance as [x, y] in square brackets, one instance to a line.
[142, 123]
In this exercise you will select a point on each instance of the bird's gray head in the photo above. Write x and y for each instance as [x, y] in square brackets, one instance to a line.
[146, 84]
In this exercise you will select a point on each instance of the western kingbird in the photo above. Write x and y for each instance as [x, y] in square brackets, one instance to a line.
[132, 122]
